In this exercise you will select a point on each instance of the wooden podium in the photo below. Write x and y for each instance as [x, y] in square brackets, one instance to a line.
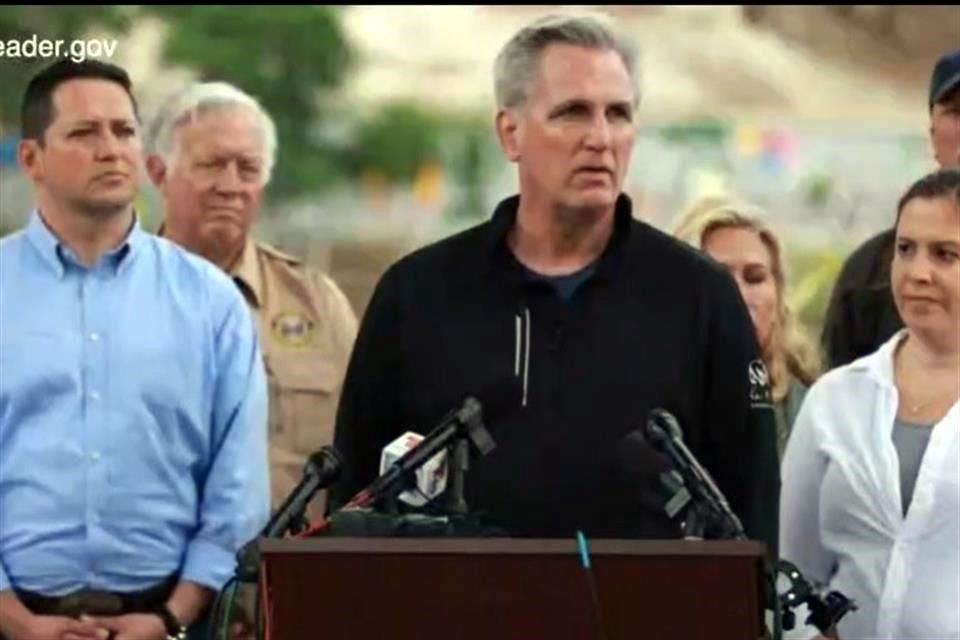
[512, 588]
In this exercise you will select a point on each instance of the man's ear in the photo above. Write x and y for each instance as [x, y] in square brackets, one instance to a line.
[508, 134]
[156, 169]
[29, 157]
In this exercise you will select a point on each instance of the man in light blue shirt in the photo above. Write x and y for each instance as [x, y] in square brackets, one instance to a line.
[133, 444]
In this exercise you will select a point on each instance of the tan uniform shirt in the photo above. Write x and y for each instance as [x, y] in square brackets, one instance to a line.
[307, 329]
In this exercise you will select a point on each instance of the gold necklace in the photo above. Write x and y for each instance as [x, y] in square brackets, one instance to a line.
[916, 407]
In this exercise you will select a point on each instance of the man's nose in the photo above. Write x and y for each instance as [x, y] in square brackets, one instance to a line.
[228, 179]
[598, 135]
[108, 146]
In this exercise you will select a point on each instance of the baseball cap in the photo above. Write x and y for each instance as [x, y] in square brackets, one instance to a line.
[946, 76]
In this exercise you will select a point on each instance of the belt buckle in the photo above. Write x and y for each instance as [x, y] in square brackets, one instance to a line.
[91, 602]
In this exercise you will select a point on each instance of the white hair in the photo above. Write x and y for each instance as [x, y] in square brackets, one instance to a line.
[517, 62]
[183, 106]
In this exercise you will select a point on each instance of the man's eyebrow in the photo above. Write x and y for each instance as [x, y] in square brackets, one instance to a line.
[86, 122]
[568, 104]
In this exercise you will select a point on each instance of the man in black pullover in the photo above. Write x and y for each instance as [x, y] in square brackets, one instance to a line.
[597, 317]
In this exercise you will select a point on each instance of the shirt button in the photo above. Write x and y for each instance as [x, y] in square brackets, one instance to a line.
[94, 396]
[95, 456]
[94, 336]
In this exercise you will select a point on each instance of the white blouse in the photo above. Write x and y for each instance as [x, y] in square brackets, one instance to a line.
[841, 516]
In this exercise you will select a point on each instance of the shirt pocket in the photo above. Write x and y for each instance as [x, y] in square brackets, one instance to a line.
[304, 389]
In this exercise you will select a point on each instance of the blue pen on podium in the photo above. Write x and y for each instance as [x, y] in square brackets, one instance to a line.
[599, 630]
[584, 552]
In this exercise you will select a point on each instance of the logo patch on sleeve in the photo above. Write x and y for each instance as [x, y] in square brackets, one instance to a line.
[761, 393]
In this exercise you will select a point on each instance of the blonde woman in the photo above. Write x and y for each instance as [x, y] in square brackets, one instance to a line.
[734, 235]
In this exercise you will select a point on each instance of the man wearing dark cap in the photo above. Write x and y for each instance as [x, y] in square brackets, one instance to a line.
[861, 315]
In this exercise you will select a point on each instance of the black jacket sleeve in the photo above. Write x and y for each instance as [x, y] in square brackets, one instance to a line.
[740, 438]
[371, 400]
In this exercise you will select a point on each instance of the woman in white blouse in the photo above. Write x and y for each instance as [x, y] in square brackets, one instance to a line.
[870, 504]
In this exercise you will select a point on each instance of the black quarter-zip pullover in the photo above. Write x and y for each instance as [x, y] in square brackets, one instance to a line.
[655, 325]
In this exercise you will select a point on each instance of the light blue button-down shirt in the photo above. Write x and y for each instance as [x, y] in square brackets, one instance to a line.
[133, 438]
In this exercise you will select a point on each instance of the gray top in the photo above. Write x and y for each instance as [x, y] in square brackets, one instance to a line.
[786, 412]
[911, 440]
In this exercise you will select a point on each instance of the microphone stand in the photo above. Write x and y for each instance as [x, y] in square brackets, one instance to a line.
[472, 434]
[701, 514]
[695, 517]
[695, 523]
[705, 509]
[321, 470]
[458, 463]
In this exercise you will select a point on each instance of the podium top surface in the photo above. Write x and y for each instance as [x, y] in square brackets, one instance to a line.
[506, 546]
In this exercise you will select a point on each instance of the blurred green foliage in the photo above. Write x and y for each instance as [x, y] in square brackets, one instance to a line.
[708, 131]
[293, 59]
[812, 272]
[473, 161]
[395, 141]
[818, 188]
[286, 57]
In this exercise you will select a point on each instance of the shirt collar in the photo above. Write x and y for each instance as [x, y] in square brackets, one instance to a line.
[247, 274]
[879, 365]
[505, 216]
[58, 255]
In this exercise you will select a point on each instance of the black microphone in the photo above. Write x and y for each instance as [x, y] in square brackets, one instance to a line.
[664, 433]
[653, 484]
[322, 469]
[452, 426]
[465, 422]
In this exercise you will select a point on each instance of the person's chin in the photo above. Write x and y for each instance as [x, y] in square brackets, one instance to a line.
[224, 230]
[601, 198]
[924, 317]
[949, 159]
[108, 203]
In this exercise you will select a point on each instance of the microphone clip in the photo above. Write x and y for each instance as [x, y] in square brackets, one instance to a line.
[825, 611]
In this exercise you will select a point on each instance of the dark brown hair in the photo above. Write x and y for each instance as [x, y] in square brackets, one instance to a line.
[36, 108]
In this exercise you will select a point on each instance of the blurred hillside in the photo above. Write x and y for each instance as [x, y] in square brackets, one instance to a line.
[865, 64]
[817, 113]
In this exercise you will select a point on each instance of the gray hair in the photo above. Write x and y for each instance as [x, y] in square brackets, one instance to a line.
[161, 135]
[516, 63]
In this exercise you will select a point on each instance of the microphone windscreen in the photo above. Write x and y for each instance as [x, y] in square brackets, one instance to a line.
[649, 484]
[662, 424]
[326, 463]
[500, 399]
[640, 463]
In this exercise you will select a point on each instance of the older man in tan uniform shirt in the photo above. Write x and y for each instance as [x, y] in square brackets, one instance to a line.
[307, 329]
[212, 150]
